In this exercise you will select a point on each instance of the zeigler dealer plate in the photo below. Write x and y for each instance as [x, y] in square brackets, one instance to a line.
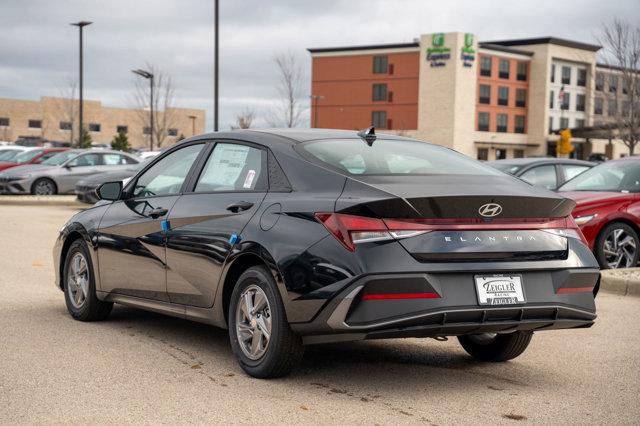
[499, 289]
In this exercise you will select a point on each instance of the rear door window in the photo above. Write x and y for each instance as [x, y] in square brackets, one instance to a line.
[233, 168]
[542, 176]
[572, 170]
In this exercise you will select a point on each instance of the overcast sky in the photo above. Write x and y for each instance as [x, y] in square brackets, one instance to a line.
[38, 49]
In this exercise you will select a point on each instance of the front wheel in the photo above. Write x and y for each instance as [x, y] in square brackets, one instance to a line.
[617, 246]
[260, 335]
[494, 347]
[44, 186]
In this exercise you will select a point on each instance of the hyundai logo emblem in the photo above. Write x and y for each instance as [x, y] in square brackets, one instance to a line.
[490, 210]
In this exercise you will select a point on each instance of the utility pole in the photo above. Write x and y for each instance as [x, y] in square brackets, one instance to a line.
[215, 69]
[80, 25]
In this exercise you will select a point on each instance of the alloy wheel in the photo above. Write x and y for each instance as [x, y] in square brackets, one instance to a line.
[78, 280]
[44, 188]
[253, 322]
[619, 249]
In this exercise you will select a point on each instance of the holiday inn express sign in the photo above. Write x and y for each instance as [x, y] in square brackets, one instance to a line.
[438, 54]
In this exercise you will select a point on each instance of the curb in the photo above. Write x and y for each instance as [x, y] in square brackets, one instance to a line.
[621, 281]
[41, 200]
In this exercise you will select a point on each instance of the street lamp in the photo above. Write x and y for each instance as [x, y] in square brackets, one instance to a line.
[193, 125]
[215, 68]
[148, 75]
[315, 99]
[80, 25]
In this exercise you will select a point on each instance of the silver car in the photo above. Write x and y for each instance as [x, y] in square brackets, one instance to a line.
[60, 173]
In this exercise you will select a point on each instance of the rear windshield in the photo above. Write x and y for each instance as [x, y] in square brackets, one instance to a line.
[393, 157]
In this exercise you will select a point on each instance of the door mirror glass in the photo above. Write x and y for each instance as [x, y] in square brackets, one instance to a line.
[110, 191]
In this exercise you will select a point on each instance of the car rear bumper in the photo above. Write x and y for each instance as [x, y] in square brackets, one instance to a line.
[455, 310]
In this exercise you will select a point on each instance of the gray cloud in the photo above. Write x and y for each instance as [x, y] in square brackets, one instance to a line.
[39, 48]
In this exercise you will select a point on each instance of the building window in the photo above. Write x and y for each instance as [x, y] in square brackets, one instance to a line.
[613, 83]
[612, 108]
[566, 99]
[503, 95]
[566, 75]
[625, 108]
[501, 154]
[579, 123]
[35, 124]
[553, 73]
[380, 92]
[597, 106]
[550, 124]
[551, 97]
[485, 66]
[522, 71]
[483, 121]
[519, 128]
[599, 81]
[122, 129]
[580, 102]
[94, 127]
[379, 119]
[380, 64]
[582, 77]
[146, 130]
[501, 123]
[564, 123]
[485, 94]
[483, 154]
[4, 122]
[172, 132]
[521, 97]
[518, 153]
[504, 68]
[65, 125]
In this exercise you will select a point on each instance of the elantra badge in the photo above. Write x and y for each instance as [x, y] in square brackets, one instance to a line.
[490, 210]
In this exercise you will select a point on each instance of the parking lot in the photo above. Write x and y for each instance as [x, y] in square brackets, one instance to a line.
[140, 367]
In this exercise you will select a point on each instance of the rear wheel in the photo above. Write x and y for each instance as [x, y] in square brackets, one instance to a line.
[617, 246]
[494, 347]
[260, 335]
[79, 286]
[44, 186]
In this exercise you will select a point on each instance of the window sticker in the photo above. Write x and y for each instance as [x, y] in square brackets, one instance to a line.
[249, 179]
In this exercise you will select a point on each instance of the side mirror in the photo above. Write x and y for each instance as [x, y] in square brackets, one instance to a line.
[110, 191]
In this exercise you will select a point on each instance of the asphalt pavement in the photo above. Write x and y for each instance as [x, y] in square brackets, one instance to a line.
[143, 368]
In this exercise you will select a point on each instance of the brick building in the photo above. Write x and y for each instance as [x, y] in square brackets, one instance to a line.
[488, 100]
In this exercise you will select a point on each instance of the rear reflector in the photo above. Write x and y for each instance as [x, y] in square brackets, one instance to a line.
[391, 296]
[569, 290]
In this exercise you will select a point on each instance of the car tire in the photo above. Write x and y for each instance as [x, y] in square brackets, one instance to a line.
[496, 347]
[44, 186]
[80, 286]
[603, 250]
[259, 356]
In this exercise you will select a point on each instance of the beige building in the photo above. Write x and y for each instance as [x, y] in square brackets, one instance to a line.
[52, 119]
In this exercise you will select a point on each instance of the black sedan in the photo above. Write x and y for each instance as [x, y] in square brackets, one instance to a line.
[548, 173]
[297, 237]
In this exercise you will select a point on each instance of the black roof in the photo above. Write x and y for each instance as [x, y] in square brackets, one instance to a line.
[366, 47]
[548, 40]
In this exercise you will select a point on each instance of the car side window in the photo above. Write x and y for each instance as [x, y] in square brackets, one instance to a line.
[85, 160]
[233, 167]
[542, 176]
[167, 175]
[114, 159]
[571, 170]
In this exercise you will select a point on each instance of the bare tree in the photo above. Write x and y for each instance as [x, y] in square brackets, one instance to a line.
[244, 119]
[621, 43]
[289, 108]
[164, 116]
[67, 103]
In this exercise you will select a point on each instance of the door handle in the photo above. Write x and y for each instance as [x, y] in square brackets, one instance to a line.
[158, 212]
[239, 206]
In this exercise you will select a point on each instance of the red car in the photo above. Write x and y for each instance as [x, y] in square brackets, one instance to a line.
[32, 156]
[608, 210]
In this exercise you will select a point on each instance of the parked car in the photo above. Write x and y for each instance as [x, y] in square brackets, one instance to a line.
[293, 237]
[9, 152]
[31, 156]
[547, 173]
[60, 173]
[86, 188]
[148, 154]
[608, 210]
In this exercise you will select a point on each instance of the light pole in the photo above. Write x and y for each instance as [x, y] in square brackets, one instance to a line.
[148, 75]
[315, 99]
[193, 125]
[80, 25]
[215, 68]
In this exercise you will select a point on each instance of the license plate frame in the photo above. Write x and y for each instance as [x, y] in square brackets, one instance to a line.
[507, 290]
